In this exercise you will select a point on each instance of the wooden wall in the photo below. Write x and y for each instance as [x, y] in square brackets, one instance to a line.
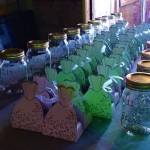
[10, 6]
[131, 13]
[54, 15]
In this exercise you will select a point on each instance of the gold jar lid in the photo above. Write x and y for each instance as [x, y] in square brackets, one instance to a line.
[111, 17]
[148, 44]
[84, 26]
[71, 31]
[38, 44]
[114, 14]
[145, 55]
[102, 19]
[143, 66]
[95, 22]
[138, 80]
[12, 54]
[57, 36]
[119, 14]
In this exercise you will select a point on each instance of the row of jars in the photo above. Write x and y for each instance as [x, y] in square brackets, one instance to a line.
[48, 53]
[135, 118]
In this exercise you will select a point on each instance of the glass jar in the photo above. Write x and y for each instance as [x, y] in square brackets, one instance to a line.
[87, 34]
[37, 57]
[13, 70]
[74, 39]
[135, 118]
[59, 48]
[111, 19]
[104, 23]
[118, 16]
[143, 66]
[96, 26]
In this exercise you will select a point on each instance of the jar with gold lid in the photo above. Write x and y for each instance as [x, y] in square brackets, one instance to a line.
[111, 19]
[13, 70]
[59, 48]
[104, 23]
[74, 39]
[37, 57]
[145, 55]
[118, 16]
[143, 66]
[97, 26]
[135, 118]
[87, 34]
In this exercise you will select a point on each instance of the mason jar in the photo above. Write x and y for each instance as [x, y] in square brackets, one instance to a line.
[135, 118]
[37, 57]
[74, 39]
[59, 48]
[13, 70]
[96, 26]
[143, 66]
[111, 19]
[145, 55]
[87, 34]
[118, 16]
[104, 23]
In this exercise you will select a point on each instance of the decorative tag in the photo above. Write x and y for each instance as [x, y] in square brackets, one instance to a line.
[66, 73]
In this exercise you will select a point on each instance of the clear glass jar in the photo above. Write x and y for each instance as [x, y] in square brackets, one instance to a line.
[135, 118]
[104, 23]
[96, 26]
[37, 57]
[13, 70]
[145, 55]
[143, 66]
[111, 19]
[87, 33]
[118, 16]
[74, 39]
[59, 48]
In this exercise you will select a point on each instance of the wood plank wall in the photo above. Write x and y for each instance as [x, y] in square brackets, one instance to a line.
[131, 13]
[53, 16]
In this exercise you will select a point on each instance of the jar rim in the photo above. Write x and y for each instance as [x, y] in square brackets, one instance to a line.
[71, 30]
[143, 65]
[38, 44]
[118, 14]
[102, 19]
[138, 80]
[145, 54]
[85, 26]
[95, 22]
[12, 54]
[57, 36]
[110, 17]
[148, 44]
